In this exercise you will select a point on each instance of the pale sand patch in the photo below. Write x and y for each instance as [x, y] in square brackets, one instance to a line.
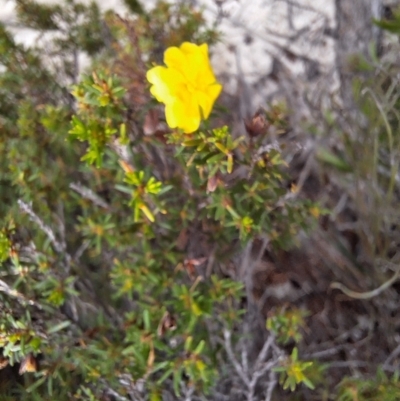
[252, 33]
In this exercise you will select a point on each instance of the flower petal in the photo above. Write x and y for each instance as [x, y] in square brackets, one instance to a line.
[167, 83]
[207, 98]
[188, 58]
[183, 114]
[204, 49]
[187, 86]
[175, 58]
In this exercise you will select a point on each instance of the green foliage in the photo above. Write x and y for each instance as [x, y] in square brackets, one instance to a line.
[79, 27]
[134, 6]
[255, 201]
[5, 246]
[364, 163]
[112, 240]
[38, 16]
[393, 24]
[382, 387]
[367, 161]
[293, 372]
[286, 324]
[99, 116]
[173, 24]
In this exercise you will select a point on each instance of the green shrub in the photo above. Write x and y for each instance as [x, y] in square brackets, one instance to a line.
[116, 230]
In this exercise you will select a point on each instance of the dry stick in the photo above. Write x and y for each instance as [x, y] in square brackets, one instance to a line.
[189, 390]
[58, 246]
[271, 385]
[391, 357]
[304, 7]
[210, 262]
[4, 287]
[245, 270]
[245, 356]
[263, 353]
[81, 250]
[368, 294]
[305, 172]
[89, 194]
[261, 367]
[236, 364]
[267, 367]
[327, 352]
[133, 388]
[117, 396]
[45, 228]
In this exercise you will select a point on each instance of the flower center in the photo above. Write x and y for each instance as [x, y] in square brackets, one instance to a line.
[190, 87]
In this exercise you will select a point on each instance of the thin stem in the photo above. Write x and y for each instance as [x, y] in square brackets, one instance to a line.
[232, 358]
[368, 294]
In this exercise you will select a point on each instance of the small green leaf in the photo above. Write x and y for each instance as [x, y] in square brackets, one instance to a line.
[146, 320]
[199, 348]
[230, 163]
[146, 211]
[59, 327]
[188, 343]
[328, 157]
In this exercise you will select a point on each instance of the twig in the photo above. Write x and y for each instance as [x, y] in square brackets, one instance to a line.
[347, 364]
[261, 367]
[257, 374]
[368, 294]
[189, 390]
[210, 262]
[392, 356]
[324, 353]
[263, 353]
[245, 355]
[303, 7]
[117, 396]
[271, 385]
[246, 268]
[87, 193]
[81, 249]
[60, 247]
[136, 388]
[232, 358]
[4, 287]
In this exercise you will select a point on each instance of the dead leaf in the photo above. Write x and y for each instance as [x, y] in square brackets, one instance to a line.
[151, 358]
[168, 322]
[151, 122]
[190, 266]
[126, 166]
[3, 362]
[212, 183]
[29, 364]
[183, 239]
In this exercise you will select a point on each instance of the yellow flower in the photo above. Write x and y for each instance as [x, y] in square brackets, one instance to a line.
[187, 86]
